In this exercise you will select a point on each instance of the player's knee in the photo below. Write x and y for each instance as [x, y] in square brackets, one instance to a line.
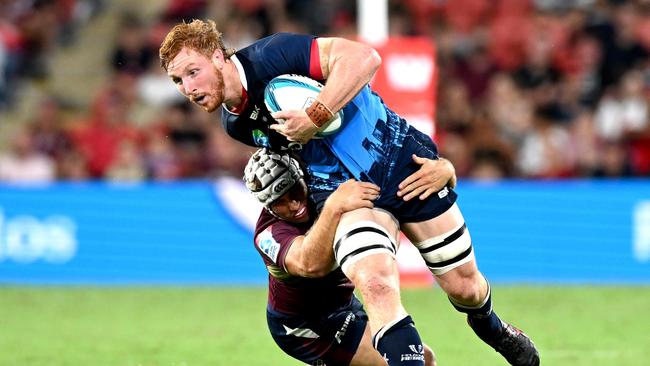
[478, 302]
[466, 291]
[447, 251]
[360, 240]
[376, 267]
[375, 277]
[377, 286]
[465, 287]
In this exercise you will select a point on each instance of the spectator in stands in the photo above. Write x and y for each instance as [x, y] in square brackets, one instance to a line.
[508, 109]
[128, 164]
[154, 89]
[131, 51]
[160, 158]
[99, 137]
[72, 165]
[489, 165]
[620, 41]
[567, 57]
[584, 144]
[544, 152]
[612, 161]
[39, 25]
[24, 164]
[9, 57]
[624, 109]
[47, 130]
[4, 62]
[178, 10]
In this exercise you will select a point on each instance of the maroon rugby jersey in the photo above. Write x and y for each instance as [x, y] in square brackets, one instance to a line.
[290, 294]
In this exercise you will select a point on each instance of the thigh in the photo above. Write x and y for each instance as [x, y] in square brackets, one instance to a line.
[362, 234]
[444, 243]
[424, 230]
[379, 216]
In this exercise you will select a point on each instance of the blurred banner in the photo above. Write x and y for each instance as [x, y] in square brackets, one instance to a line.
[407, 79]
[201, 233]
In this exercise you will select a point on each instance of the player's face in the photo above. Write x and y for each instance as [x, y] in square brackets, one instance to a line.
[292, 206]
[196, 77]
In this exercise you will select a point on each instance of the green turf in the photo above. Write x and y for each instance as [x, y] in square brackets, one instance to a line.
[573, 326]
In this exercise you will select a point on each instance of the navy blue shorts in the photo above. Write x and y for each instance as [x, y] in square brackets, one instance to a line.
[415, 210]
[331, 339]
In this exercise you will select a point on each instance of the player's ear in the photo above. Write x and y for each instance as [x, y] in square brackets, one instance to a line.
[217, 57]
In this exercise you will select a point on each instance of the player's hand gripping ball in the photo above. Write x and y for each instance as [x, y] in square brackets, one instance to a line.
[295, 92]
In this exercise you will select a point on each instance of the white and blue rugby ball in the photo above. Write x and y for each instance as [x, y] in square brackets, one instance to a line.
[297, 92]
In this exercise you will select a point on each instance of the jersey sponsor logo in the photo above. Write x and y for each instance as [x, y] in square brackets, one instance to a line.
[267, 244]
[255, 113]
[260, 139]
[300, 332]
[417, 355]
[341, 332]
[443, 193]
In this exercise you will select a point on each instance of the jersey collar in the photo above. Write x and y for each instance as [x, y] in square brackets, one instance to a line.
[240, 69]
[242, 78]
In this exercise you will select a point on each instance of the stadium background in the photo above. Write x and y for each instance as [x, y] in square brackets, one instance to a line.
[108, 178]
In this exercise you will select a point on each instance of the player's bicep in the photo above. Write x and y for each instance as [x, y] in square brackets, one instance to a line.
[324, 50]
[292, 261]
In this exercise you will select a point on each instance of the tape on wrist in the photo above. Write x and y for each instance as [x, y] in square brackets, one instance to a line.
[319, 113]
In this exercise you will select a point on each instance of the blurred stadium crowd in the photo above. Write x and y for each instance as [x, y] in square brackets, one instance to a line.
[527, 88]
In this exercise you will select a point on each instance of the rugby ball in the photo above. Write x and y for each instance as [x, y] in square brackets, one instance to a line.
[297, 92]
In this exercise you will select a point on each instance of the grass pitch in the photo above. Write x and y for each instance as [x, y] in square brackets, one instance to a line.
[74, 326]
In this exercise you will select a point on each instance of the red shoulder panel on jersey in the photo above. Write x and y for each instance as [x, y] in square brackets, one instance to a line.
[315, 71]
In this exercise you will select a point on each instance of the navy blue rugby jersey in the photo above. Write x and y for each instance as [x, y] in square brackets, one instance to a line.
[368, 143]
[293, 295]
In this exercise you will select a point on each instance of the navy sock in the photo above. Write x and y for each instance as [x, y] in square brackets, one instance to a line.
[482, 319]
[400, 344]
[487, 328]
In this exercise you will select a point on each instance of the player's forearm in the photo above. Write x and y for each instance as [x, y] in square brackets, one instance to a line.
[349, 67]
[317, 254]
[312, 255]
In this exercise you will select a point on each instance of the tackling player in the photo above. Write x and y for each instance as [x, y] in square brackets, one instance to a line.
[374, 144]
[312, 313]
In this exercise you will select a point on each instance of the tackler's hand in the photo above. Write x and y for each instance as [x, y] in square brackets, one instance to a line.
[432, 176]
[294, 125]
[352, 195]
